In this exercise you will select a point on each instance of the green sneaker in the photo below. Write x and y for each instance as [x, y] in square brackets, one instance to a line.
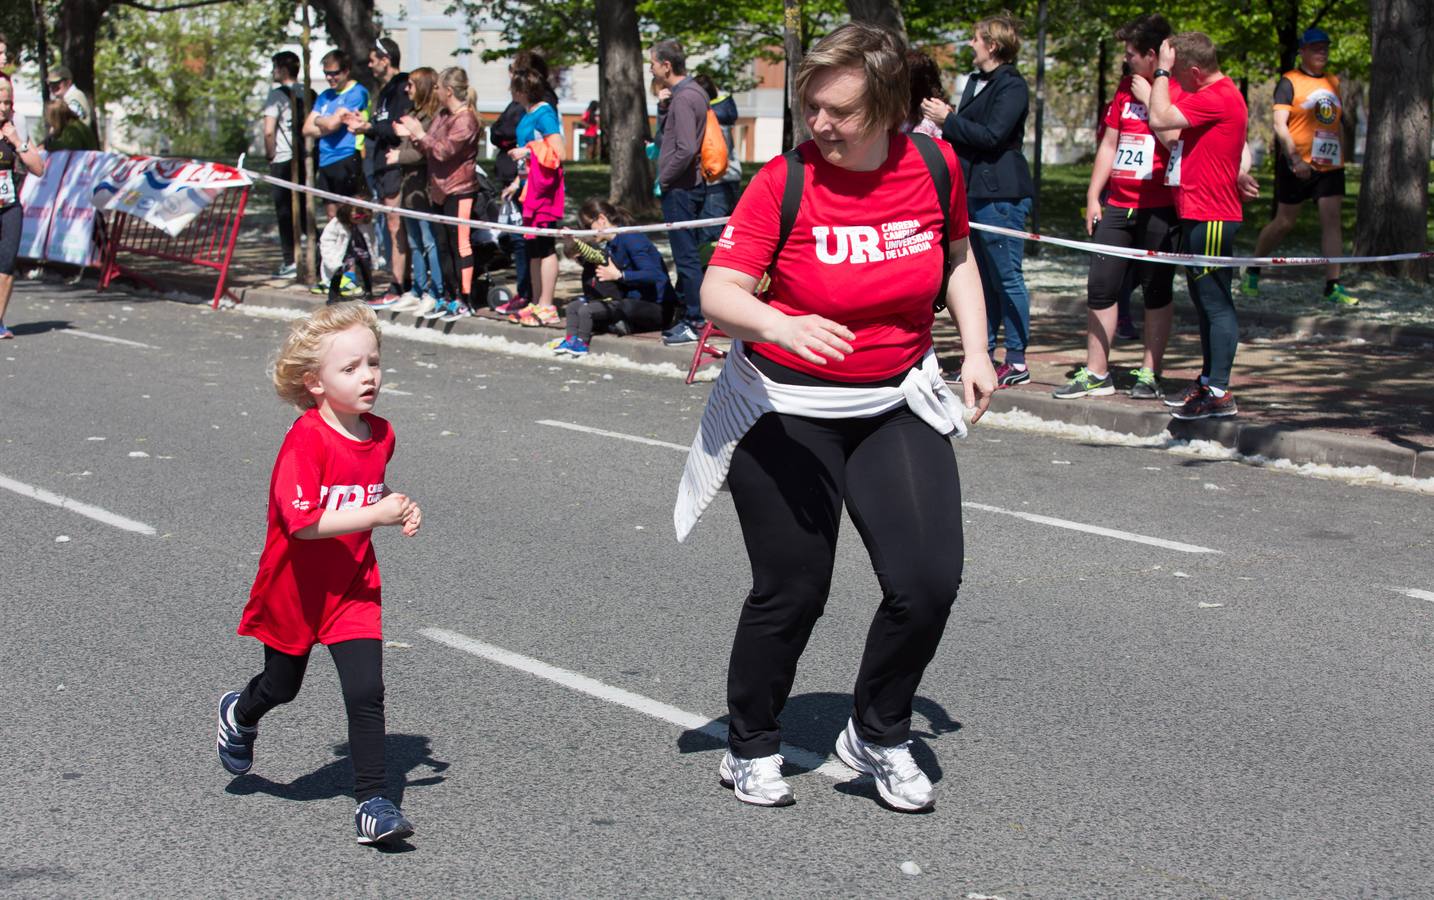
[1084, 384]
[1339, 296]
[1147, 385]
[1250, 285]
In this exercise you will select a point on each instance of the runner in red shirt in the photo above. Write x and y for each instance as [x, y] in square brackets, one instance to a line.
[318, 580]
[1138, 212]
[1210, 167]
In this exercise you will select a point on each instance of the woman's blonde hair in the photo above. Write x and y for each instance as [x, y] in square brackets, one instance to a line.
[456, 80]
[1003, 33]
[299, 355]
[425, 102]
[881, 56]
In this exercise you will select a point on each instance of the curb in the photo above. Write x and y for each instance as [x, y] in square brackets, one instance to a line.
[1416, 336]
[1296, 445]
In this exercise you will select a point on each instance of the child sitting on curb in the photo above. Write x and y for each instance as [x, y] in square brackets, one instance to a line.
[626, 289]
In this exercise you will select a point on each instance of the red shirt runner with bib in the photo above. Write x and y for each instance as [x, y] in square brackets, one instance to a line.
[864, 251]
[1137, 178]
[326, 590]
[1211, 150]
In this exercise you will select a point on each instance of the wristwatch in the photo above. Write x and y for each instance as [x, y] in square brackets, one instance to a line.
[1160, 73]
[23, 148]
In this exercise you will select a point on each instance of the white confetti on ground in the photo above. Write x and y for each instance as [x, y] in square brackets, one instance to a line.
[62, 538]
[910, 868]
[94, 438]
[398, 645]
[1179, 574]
[138, 454]
[1204, 605]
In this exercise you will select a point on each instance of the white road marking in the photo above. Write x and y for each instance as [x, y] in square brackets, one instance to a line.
[656, 709]
[614, 434]
[1415, 594]
[1029, 517]
[1091, 529]
[396, 392]
[104, 337]
[84, 509]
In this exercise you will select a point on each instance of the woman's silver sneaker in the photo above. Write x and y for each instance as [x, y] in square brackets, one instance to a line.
[899, 780]
[757, 781]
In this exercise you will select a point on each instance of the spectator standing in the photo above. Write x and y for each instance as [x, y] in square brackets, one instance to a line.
[451, 147]
[425, 265]
[722, 191]
[16, 154]
[684, 192]
[504, 137]
[62, 84]
[987, 129]
[625, 287]
[541, 148]
[340, 168]
[391, 105]
[1211, 175]
[925, 85]
[1309, 162]
[284, 110]
[64, 130]
[591, 124]
[1139, 211]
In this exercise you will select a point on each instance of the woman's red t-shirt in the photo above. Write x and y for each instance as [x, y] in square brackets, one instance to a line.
[326, 590]
[864, 252]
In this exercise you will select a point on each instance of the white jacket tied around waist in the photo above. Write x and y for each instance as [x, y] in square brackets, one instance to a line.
[742, 395]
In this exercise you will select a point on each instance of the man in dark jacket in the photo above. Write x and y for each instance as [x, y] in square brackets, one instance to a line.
[678, 175]
[987, 130]
[391, 103]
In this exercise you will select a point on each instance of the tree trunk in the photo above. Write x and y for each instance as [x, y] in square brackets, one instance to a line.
[352, 28]
[886, 13]
[1394, 192]
[76, 27]
[623, 103]
[794, 123]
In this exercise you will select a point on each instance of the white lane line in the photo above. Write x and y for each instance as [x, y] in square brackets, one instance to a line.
[1029, 517]
[1091, 529]
[396, 392]
[84, 509]
[104, 337]
[1415, 594]
[614, 434]
[655, 709]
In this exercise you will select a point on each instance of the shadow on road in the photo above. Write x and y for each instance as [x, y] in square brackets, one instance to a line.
[27, 328]
[404, 752]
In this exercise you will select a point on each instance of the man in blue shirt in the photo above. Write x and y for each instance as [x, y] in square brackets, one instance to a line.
[340, 166]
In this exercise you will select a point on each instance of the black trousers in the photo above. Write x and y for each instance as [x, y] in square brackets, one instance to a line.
[360, 665]
[1148, 229]
[588, 317]
[1214, 300]
[789, 478]
[284, 210]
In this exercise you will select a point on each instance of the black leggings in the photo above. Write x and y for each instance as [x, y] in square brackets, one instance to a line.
[284, 209]
[588, 317]
[789, 477]
[12, 220]
[360, 665]
[452, 259]
[1147, 229]
[1213, 299]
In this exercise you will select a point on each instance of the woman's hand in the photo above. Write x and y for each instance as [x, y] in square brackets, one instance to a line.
[814, 338]
[9, 133]
[413, 127]
[935, 109]
[399, 129]
[1140, 88]
[978, 377]
[391, 157]
[609, 272]
[518, 153]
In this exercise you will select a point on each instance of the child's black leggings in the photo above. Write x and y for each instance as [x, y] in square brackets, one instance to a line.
[360, 665]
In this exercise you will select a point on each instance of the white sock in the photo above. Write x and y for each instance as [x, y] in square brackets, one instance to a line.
[1098, 376]
[1218, 392]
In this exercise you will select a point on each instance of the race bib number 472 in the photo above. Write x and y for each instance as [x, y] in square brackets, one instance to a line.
[1172, 168]
[1327, 149]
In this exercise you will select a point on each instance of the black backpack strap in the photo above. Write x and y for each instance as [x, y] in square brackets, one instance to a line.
[941, 178]
[791, 199]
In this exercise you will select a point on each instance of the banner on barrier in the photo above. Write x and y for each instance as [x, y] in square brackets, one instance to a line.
[166, 193]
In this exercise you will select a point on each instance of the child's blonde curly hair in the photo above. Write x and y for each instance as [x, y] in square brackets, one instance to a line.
[299, 354]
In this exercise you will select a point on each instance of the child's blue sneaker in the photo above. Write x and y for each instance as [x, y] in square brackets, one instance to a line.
[576, 348]
[378, 821]
[236, 743]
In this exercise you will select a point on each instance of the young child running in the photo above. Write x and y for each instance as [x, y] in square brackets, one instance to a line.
[626, 289]
[318, 580]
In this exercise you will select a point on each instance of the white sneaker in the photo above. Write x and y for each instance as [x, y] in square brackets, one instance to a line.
[425, 306]
[757, 781]
[439, 310]
[407, 303]
[899, 780]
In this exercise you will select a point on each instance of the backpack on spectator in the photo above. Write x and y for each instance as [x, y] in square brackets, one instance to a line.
[712, 156]
[940, 179]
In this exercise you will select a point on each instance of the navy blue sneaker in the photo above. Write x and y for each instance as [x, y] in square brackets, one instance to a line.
[236, 743]
[378, 821]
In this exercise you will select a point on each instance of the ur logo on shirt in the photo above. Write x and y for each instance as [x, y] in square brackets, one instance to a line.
[859, 243]
[1135, 110]
[349, 496]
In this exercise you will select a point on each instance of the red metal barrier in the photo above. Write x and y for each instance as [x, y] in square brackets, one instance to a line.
[207, 241]
[704, 349]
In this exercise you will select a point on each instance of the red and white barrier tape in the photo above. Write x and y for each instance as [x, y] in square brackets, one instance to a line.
[1156, 256]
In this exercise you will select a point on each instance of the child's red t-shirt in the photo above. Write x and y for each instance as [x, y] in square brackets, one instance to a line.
[327, 590]
[865, 251]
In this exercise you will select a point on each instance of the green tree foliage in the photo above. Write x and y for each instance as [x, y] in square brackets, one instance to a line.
[188, 78]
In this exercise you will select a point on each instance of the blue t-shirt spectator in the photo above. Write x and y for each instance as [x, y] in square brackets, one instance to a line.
[644, 274]
[538, 123]
[341, 144]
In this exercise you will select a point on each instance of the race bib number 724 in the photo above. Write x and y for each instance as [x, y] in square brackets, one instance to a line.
[1134, 157]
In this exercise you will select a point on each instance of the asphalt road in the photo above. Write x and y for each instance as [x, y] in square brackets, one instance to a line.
[1106, 717]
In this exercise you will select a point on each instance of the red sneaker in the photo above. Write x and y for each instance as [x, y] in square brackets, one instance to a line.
[1207, 406]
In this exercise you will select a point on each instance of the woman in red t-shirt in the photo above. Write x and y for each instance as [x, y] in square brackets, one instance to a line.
[832, 395]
